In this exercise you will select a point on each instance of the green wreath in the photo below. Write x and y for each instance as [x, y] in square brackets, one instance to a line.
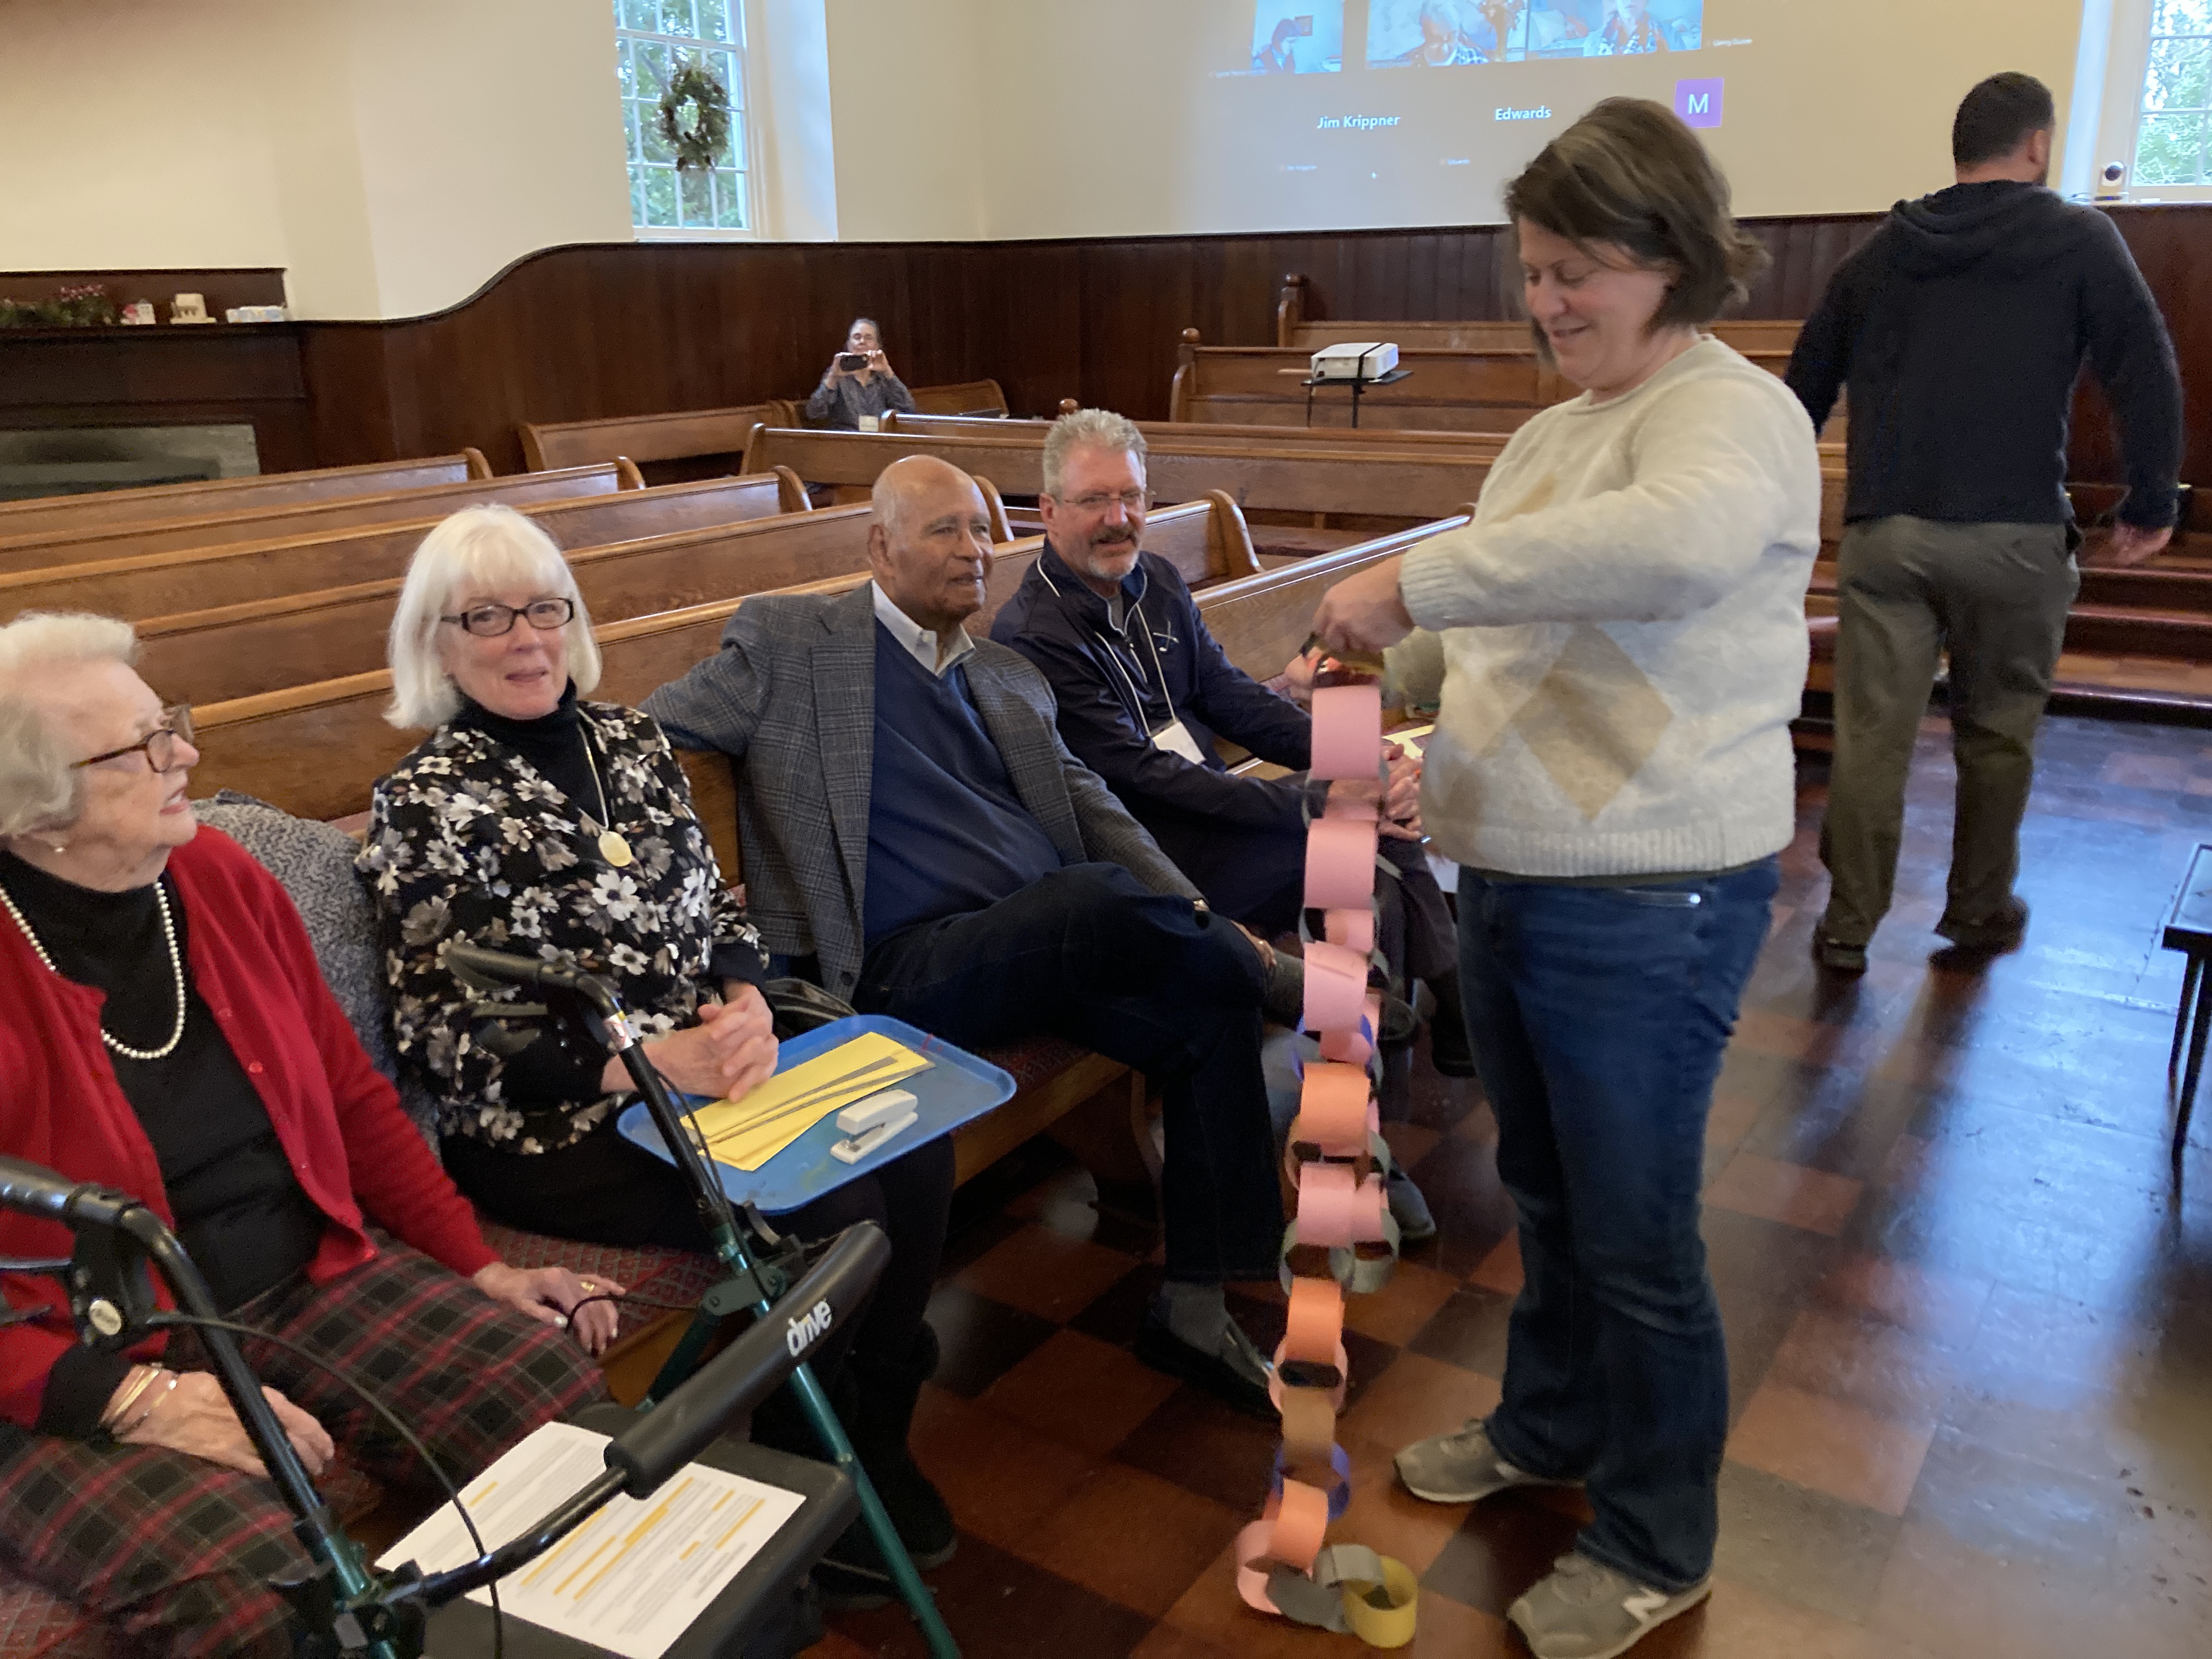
[695, 118]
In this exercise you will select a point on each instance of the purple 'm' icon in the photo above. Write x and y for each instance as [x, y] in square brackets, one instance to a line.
[1698, 102]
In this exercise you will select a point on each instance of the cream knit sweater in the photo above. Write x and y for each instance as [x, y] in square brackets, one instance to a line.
[1620, 636]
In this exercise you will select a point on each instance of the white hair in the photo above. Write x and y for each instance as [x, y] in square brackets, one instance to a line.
[476, 550]
[40, 789]
[1089, 429]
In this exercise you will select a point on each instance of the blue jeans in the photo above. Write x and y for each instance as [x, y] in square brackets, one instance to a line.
[1598, 1016]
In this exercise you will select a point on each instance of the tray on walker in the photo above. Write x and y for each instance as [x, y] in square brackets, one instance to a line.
[952, 1087]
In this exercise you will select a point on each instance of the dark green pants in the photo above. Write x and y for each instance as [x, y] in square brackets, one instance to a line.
[1994, 597]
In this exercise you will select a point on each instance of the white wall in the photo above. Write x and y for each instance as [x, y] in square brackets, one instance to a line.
[134, 136]
[1108, 120]
[394, 155]
[915, 109]
[793, 134]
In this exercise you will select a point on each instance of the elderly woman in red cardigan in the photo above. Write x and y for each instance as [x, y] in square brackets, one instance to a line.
[169, 1033]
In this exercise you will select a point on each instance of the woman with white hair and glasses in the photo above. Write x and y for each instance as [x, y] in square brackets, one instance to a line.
[169, 1034]
[531, 820]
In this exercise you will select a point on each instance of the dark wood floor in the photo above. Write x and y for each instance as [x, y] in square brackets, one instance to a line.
[1969, 1315]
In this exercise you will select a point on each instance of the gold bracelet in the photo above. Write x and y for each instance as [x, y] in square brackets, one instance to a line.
[137, 1380]
[139, 1421]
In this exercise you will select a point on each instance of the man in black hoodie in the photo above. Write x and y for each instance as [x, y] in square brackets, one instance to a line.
[1959, 328]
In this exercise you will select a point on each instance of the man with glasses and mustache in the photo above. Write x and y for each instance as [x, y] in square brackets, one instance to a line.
[1145, 692]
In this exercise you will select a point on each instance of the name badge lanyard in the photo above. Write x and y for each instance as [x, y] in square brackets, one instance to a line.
[1162, 737]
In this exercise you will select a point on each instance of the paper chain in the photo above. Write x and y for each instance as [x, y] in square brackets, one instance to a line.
[1343, 1237]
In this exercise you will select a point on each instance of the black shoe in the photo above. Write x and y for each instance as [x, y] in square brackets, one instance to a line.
[1450, 1051]
[1837, 957]
[851, 1576]
[877, 1402]
[1163, 1351]
[1996, 937]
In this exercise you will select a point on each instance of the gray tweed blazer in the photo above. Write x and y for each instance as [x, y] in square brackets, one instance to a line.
[792, 696]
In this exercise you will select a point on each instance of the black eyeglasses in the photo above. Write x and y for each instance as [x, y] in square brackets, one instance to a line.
[159, 746]
[488, 622]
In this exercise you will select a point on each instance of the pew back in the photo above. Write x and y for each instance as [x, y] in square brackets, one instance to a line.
[694, 434]
[1263, 621]
[678, 434]
[242, 650]
[978, 398]
[1293, 478]
[1296, 326]
[307, 518]
[46, 515]
[317, 749]
[1493, 390]
[1217, 435]
[200, 579]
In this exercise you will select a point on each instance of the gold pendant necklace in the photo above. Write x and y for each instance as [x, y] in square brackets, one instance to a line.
[612, 847]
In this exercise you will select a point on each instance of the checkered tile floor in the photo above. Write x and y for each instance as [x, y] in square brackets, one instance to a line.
[1970, 1323]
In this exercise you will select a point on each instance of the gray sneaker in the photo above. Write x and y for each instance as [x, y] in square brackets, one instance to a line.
[1463, 1467]
[1585, 1610]
[1409, 1209]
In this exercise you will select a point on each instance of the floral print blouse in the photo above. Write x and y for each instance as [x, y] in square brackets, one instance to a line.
[468, 843]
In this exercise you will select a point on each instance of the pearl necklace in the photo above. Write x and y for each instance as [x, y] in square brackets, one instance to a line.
[176, 971]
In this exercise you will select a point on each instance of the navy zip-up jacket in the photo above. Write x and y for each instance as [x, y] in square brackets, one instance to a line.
[1959, 328]
[1238, 839]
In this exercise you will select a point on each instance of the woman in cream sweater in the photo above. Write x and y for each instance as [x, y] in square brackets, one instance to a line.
[1618, 642]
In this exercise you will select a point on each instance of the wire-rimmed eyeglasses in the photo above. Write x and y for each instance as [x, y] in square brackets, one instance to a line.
[160, 745]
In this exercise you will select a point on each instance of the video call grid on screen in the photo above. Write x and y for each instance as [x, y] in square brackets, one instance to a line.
[1306, 37]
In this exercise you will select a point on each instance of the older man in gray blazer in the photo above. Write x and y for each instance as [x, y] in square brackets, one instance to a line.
[918, 838]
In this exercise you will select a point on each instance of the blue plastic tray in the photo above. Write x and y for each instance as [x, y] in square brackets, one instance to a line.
[956, 1087]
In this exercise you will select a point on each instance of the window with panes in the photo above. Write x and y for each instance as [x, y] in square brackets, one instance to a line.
[652, 39]
[2172, 136]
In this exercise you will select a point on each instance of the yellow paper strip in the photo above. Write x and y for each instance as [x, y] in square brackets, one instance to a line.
[746, 1134]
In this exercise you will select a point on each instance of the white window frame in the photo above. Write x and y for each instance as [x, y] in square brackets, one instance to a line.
[2106, 117]
[748, 134]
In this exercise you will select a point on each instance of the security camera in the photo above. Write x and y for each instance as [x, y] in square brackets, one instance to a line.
[2113, 182]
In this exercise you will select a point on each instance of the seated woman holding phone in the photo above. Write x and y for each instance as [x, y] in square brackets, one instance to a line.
[531, 820]
[859, 382]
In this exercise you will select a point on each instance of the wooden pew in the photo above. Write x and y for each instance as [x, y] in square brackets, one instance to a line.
[217, 655]
[317, 749]
[1297, 325]
[200, 579]
[700, 435]
[976, 397]
[1494, 384]
[1215, 434]
[1292, 478]
[1493, 389]
[265, 645]
[61, 515]
[310, 517]
[1263, 621]
[682, 434]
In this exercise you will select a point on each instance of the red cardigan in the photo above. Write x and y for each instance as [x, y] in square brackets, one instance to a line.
[339, 1121]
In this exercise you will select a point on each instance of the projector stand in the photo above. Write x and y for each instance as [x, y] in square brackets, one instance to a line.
[1357, 386]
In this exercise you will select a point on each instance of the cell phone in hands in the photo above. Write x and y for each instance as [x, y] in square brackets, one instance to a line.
[852, 361]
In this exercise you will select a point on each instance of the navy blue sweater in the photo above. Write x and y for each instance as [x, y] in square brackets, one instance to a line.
[946, 832]
[1959, 328]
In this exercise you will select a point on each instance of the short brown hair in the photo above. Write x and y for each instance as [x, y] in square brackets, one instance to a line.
[1630, 172]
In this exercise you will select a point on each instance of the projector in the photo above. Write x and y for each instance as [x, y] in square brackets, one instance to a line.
[1355, 360]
